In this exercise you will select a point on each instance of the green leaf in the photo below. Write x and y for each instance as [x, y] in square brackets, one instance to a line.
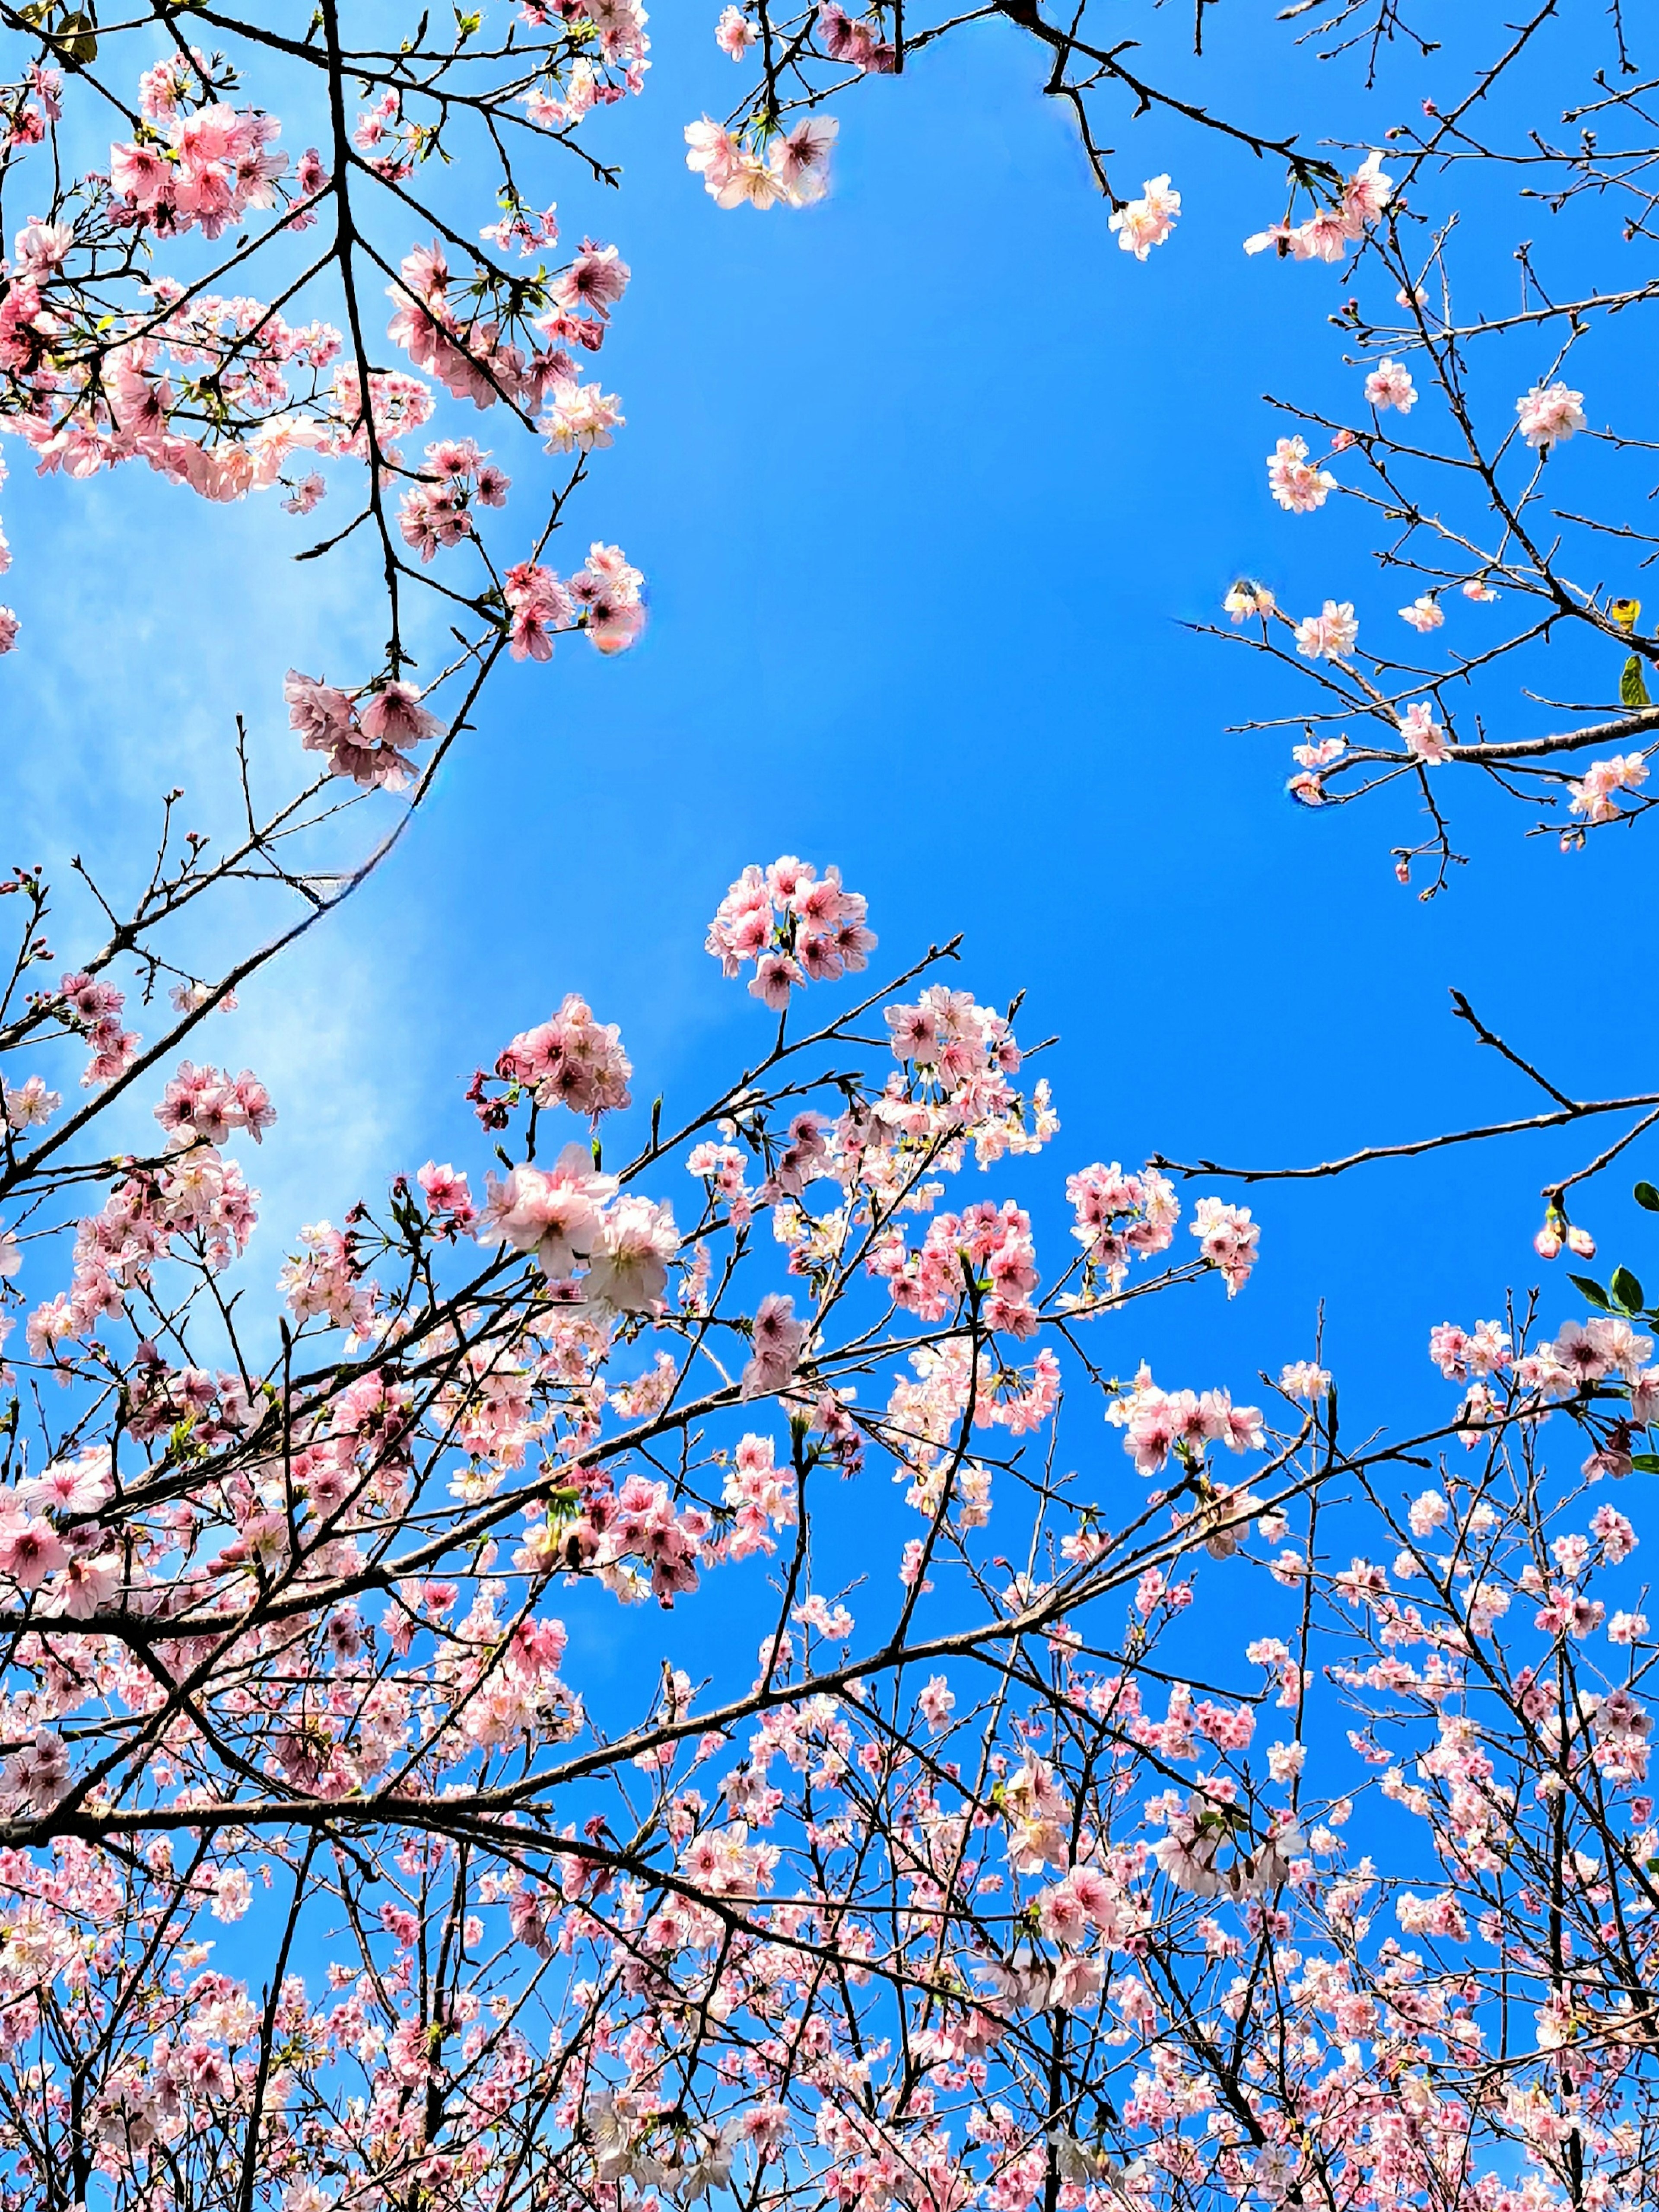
[1646, 1195]
[1645, 1463]
[1592, 1291]
[1626, 1290]
[1632, 690]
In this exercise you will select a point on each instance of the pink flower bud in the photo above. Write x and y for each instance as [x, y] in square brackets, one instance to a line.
[1581, 1243]
[1547, 1243]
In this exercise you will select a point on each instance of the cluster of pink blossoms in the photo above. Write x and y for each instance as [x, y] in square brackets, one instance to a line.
[219, 1408]
[1332, 232]
[761, 1495]
[361, 734]
[792, 170]
[133, 418]
[1120, 1218]
[988, 1247]
[474, 359]
[1606, 1349]
[438, 511]
[795, 925]
[134, 411]
[53, 1551]
[1298, 484]
[1550, 414]
[1144, 223]
[1460, 1354]
[1389, 385]
[614, 1527]
[603, 599]
[570, 1214]
[1595, 795]
[202, 1106]
[203, 170]
[860, 40]
[947, 1034]
[618, 27]
[324, 1280]
[1331, 634]
[777, 1339]
[961, 1056]
[1198, 1831]
[924, 1410]
[1159, 1422]
[1228, 1239]
[194, 1195]
[94, 1011]
[570, 1061]
[555, 1212]
[23, 122]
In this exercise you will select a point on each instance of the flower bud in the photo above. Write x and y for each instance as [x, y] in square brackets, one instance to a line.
[1547, 1243]
[1581, 1243]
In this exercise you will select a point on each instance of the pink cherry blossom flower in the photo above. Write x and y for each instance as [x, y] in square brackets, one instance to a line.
[29, 1104]
[30, 1549]
[1331, 633]
[1389, 385]
[37, 1776]
[595, 280]
[629, 1269]
[778, 1340]
[1595, 795]
[713, 153]
[69, 1486]
[554, 1212]
[1144, 223]
[800, 161]
[1367, 192]
[1228, 1239]
[1296, 484]
[734, 33]
[394, 716]
[1550, 414]
[1422, 735]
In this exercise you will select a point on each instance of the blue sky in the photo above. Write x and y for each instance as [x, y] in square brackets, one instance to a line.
[926, 482]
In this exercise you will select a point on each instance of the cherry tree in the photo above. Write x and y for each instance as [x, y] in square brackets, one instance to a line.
[925, 1853]
[1463, 356]
[1465, 204]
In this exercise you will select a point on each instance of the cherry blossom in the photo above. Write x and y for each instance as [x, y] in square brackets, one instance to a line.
[1143, 223]
[1548, 415]
[1297, 483]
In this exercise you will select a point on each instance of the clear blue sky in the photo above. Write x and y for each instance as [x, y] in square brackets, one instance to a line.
[926, 482]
